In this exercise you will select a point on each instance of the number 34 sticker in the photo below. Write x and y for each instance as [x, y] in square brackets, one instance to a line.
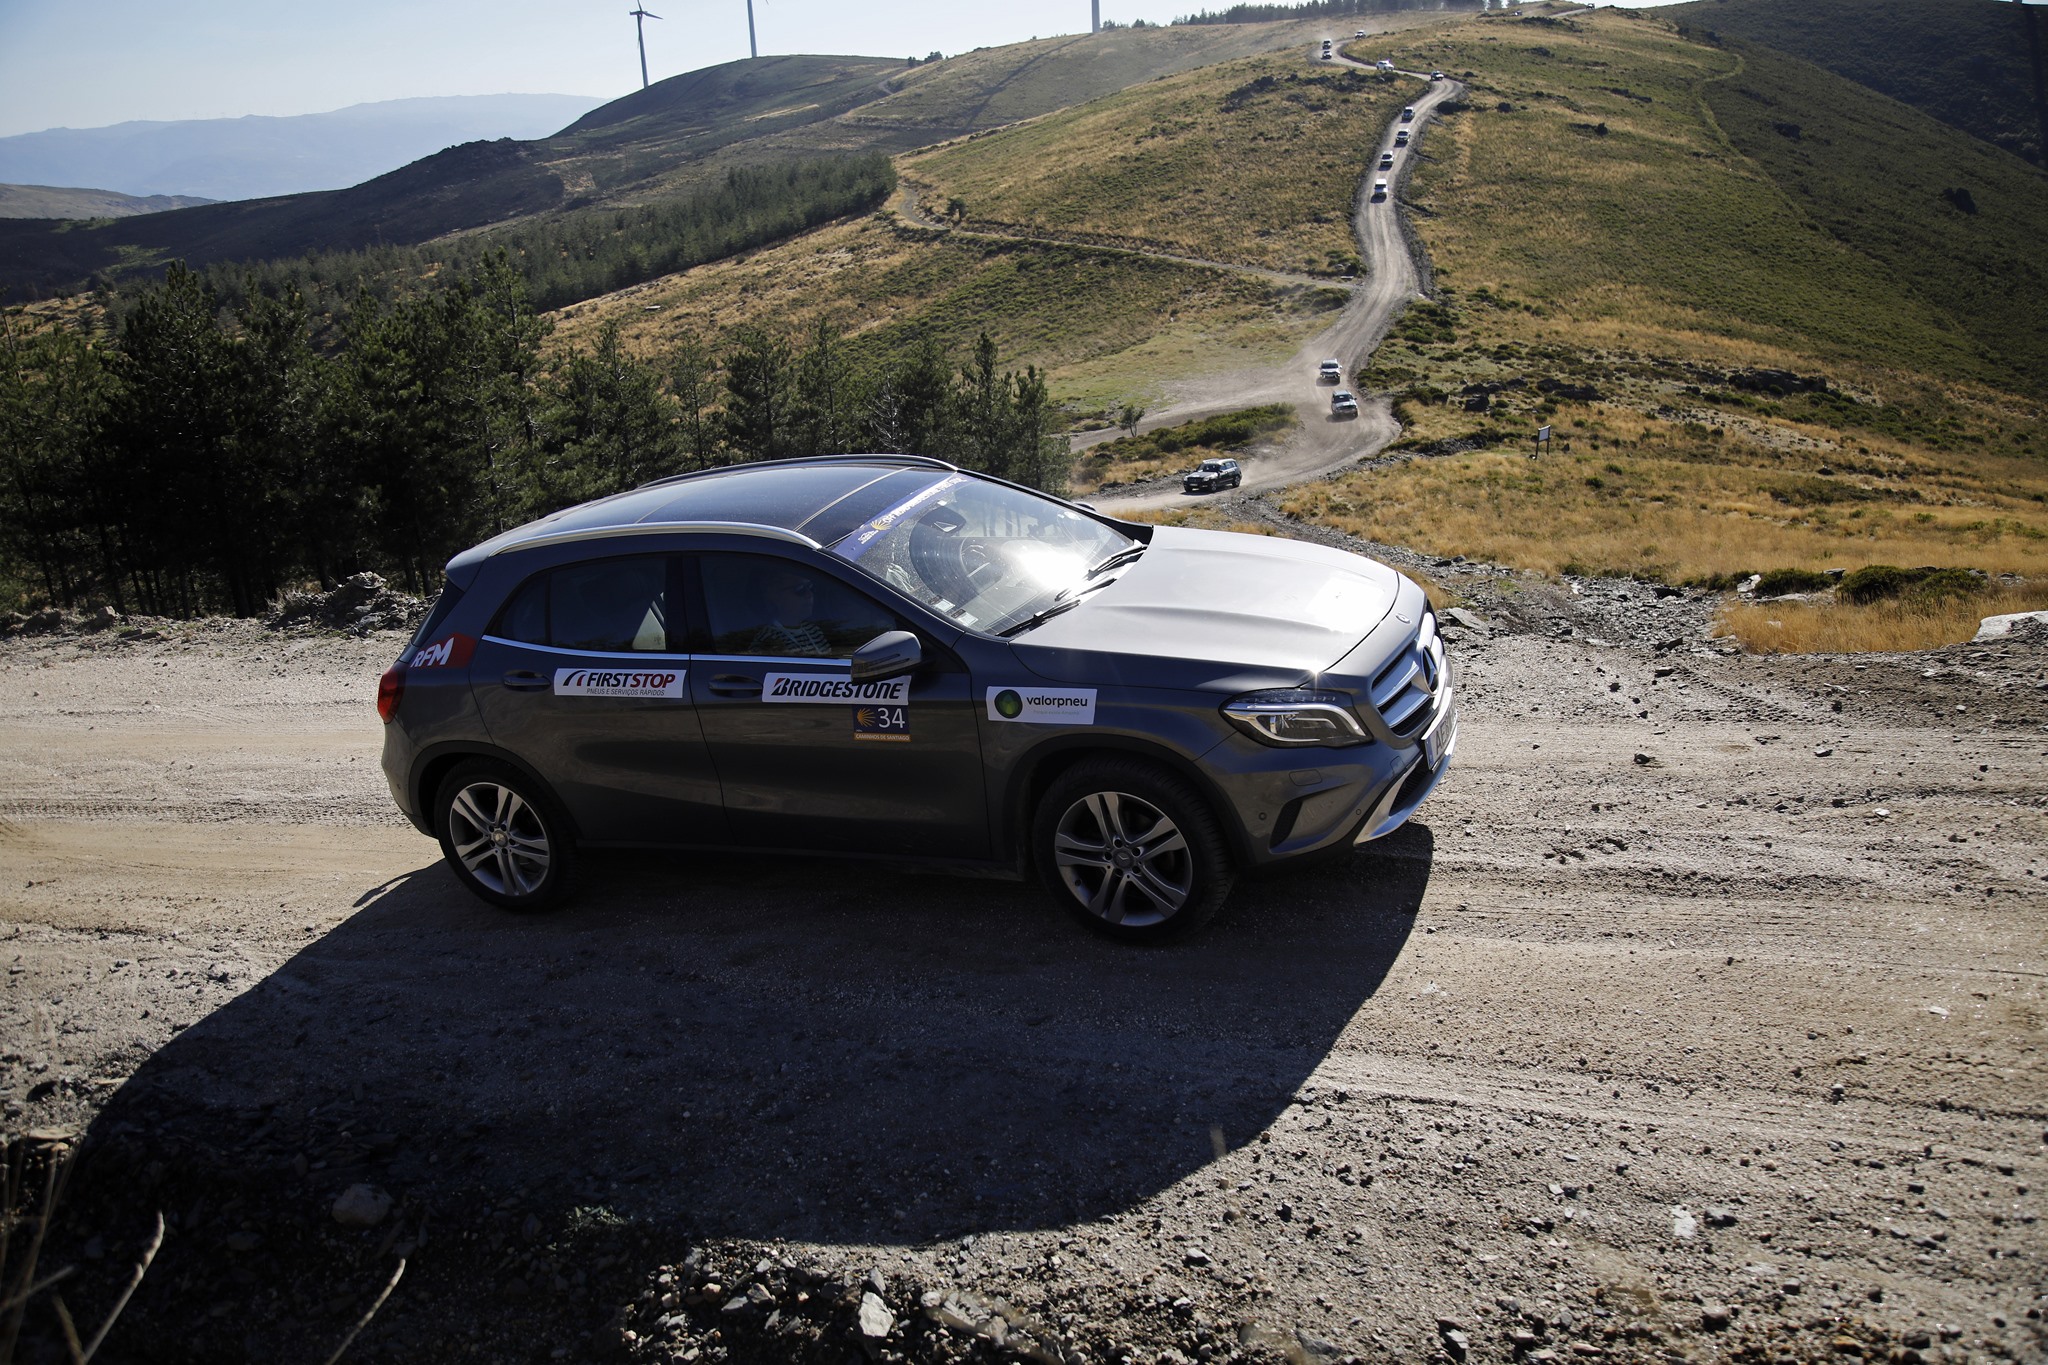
[882, 723]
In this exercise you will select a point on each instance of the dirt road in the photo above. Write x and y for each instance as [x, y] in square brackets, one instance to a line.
[1701, 1009]
[1322, 444]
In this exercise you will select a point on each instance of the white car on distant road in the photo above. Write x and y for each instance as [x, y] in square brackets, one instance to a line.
[1329, 372]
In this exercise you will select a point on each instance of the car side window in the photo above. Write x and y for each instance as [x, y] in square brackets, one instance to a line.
[760, 604]
[606, 606]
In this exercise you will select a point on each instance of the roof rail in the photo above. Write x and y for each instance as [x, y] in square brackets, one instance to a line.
[914, 461]
[639, 528]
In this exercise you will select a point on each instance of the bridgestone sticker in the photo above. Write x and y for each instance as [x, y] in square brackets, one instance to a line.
[605, 682]
[823, 687]
[1042, 705]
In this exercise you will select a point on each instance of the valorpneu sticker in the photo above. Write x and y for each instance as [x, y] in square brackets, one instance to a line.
[826, 688]
[611, 682]
[1042, 705]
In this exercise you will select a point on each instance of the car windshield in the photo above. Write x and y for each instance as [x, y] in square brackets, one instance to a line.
[983, 554]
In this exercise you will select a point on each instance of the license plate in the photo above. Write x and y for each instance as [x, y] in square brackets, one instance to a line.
[1439, 735]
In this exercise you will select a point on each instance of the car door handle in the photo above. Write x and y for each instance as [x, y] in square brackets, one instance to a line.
[735, 685]
[525, 680]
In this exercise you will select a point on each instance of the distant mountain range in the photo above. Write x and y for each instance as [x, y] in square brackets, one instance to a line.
[57, 201]
[258, 157]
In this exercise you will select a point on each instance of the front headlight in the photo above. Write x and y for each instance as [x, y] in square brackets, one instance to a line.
[1296, 717]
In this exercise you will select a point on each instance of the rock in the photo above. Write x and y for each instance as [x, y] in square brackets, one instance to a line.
[1665, 590]
[1469, 620]
[1456, 1343]
[100, 618]
[241, 1241]
[1715, 1317]
[1195, 1256]
[1748, 585]
[1719, 1217]
[1997, 627]
[1648, 761]
[876, 1321]
[1315, 1348]
[361, 1206]
[1683, 1224]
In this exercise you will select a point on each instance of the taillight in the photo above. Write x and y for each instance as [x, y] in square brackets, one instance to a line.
[390, 688]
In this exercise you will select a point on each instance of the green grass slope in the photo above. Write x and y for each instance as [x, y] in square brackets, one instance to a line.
[1630, 249]
[1961, 61]
[1956, 226]
[1254, 162]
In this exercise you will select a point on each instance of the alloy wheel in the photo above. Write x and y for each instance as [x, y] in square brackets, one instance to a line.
[499, 839]
[1123, 859]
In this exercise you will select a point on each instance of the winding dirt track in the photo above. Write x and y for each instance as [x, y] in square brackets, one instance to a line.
[1322, 444]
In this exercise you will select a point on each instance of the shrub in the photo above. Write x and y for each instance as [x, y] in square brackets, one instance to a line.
[1874, 583]
[1943, 584]
[1778, 582]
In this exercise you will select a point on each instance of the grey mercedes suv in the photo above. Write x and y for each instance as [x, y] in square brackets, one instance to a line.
[886, 656]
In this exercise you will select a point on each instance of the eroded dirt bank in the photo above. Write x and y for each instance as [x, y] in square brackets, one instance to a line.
[1700, 1015]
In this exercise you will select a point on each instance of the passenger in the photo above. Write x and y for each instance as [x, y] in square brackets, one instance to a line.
[788, 598]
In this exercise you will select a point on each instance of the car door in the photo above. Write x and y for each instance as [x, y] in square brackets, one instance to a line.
[808, 760]
[584, 677]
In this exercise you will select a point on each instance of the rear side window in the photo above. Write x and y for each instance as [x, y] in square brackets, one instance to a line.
[437, 615]
[606, 606]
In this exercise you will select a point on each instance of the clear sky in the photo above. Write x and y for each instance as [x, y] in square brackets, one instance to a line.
[68, 63]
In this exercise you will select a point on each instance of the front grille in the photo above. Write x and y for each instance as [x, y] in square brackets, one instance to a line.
[1405, 691]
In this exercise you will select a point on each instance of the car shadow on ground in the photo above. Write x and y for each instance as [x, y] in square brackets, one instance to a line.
[764, 1048]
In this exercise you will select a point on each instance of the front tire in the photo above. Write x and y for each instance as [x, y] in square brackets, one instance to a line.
[1131, 849]
[502, 836]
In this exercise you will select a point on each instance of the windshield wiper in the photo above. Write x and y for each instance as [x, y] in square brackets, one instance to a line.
[1044, 613]
[1123, 556]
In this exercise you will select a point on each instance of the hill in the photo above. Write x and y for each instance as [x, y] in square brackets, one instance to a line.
[677, 136]
[259, 157]
[1756, 345]
[1961, 61]
[53, 201]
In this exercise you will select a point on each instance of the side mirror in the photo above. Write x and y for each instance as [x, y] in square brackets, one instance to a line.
[889, 655]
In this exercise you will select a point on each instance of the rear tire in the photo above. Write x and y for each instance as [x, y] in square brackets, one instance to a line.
[1131, 849]
[503, 836]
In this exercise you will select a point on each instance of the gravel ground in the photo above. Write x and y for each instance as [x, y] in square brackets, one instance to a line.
[1697, 1018]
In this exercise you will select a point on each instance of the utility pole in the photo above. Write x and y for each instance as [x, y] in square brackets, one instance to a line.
[640, 17]
[753, 48]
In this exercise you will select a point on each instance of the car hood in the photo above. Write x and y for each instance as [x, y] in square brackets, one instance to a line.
[1213, 608]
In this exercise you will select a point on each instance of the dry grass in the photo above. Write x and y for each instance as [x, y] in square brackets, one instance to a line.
[1659, 503]
[1828, 627]
[1178, 165]
[1101, 325]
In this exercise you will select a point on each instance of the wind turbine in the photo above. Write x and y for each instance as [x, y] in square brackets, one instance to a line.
[640, 17]
[753, 48]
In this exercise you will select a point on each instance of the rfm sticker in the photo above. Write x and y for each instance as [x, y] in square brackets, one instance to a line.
[452, 652]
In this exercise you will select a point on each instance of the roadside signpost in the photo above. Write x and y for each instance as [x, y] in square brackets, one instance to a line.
[1542, 440]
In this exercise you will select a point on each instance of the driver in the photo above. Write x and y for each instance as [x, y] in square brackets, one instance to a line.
[787, 598]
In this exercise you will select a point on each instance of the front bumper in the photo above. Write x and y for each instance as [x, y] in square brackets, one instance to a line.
[1288, 809]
